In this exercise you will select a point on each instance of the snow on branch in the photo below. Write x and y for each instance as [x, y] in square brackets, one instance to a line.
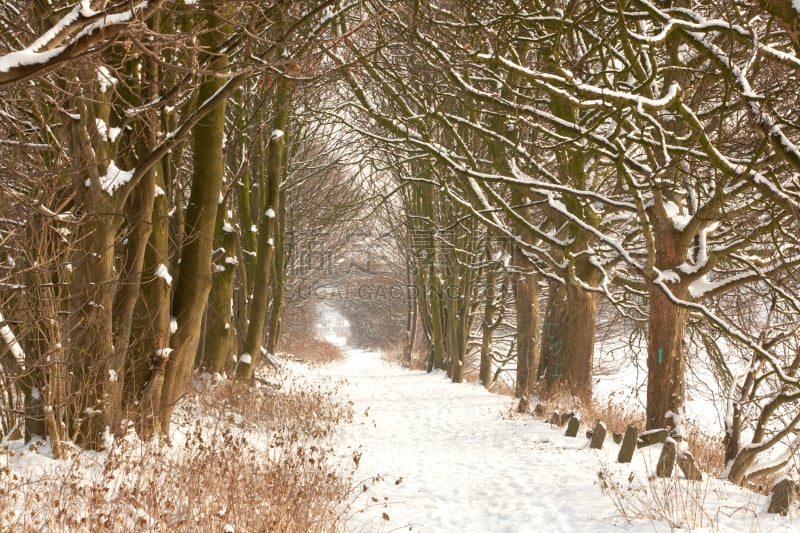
[593, 96]
[696, 33]
[80, 31]
[732, 331]
[11, 341]
[671, 24]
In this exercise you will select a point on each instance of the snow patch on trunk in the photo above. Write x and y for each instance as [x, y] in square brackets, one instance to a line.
[163, 273]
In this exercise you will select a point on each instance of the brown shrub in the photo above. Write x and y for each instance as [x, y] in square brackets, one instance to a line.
[241, 459]
[312, 350]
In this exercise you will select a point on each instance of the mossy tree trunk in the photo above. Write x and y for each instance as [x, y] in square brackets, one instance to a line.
[219, 340]
[194, 277]
[492, 317]
[265, 245]
[568, 333]
[279, 278]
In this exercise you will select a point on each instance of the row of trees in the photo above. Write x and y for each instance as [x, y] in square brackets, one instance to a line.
[639, 153]
[170, 164]
[147, 171]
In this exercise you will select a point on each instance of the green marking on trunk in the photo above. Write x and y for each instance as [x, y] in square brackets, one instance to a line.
[660, 356]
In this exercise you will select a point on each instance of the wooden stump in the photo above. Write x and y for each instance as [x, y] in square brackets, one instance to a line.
[783, 495]
[628, 445]
[572, 426]
[666, 461]
[689, 467]
[598, 436]
[654, 436]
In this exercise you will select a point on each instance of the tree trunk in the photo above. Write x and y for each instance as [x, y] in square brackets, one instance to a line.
[457, 326]
[242, 287]
[139, 211]
[412, 310]
[666, 329]
[568, 355]
[733, 424]
[452, 362]
[219, 341]
[437, 329]
[488, 327]
[665, 361]
[279, 279]
[425, 311]
[434, 287]
[94, 367]
[461, 301]
[93, 364]
[526, 303]
[149, 351]
[265, 248]
[194, 277]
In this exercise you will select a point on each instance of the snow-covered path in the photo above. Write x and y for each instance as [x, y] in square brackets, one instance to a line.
[449, 458]
[461, 464]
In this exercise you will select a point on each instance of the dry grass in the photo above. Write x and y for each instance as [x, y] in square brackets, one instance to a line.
[615, 415]
[242, 459]
[312, 350]
[396, 355]
[680, 504]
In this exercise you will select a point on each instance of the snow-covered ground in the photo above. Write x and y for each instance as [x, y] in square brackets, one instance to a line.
[440, 457]
[434, 456]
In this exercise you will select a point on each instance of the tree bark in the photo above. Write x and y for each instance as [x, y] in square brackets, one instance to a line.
[265, 247]
[666, 330]
[218, 343]
[279, 279]
[93, 363]
[149, 352]
[434, 289]
[95, 367]
[412, 310]
[526, 304]
[194, 277]
[665, 361]
[568, 336]
[489, 324]
[139, 208]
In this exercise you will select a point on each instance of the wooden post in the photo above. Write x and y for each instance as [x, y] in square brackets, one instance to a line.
[598, 436]
[784, 493]
[566, 416]
[572, 426]
[654, 436]
[666, 462]
[628, 445]
[689, 467]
